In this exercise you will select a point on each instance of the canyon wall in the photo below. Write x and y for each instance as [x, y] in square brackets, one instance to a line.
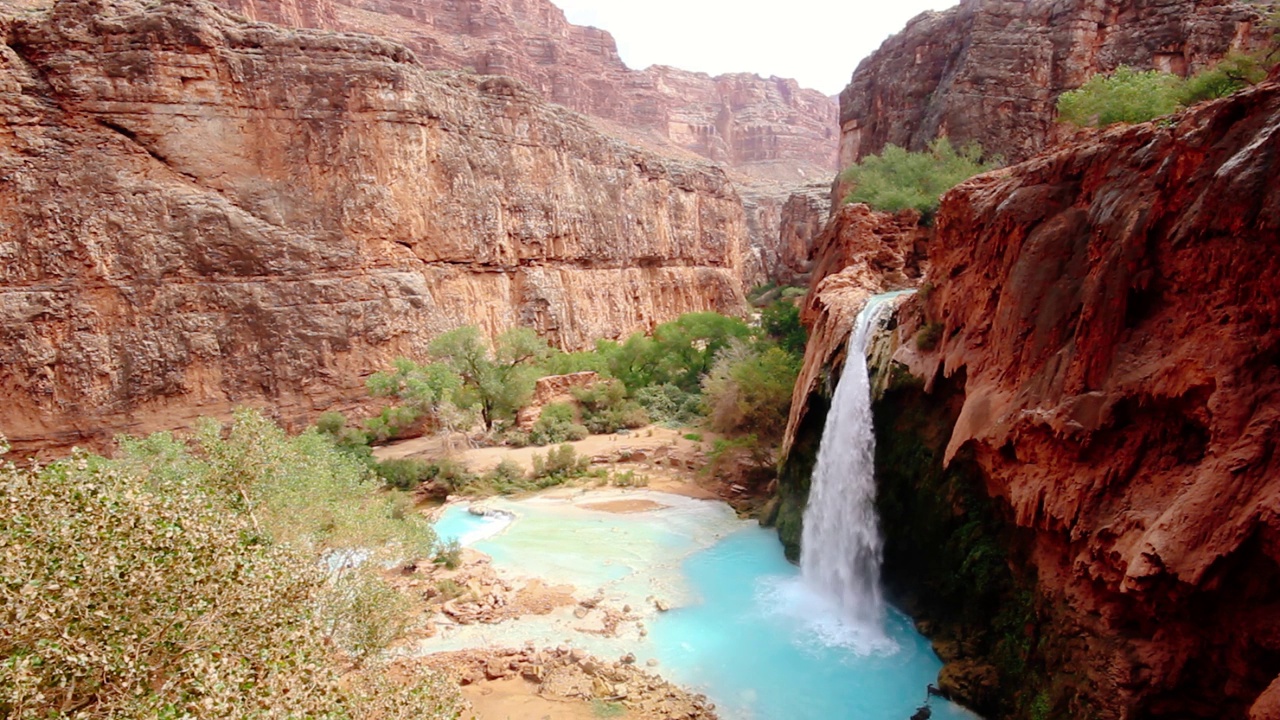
[1076, 459]
[768, 127]
[771, 133]
[991, 71]
[199, 212]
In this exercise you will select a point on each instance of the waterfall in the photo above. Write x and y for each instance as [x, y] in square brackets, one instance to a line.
[841, 548]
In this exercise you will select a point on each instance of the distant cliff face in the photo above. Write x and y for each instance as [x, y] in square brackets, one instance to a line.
[199, 212]
[766, 126]
[991, 70]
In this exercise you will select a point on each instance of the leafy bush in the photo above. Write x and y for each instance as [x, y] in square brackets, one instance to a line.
[605, 407]
[781, 323]
[668, 403]
[508, 477]
[558, 465]
[449, 554]
[362, 614]
[391, 423]
[556, 425]
[449, 474]
[628, 479]
[748, 391]
[1124, 96]
[929, 336]
[1232, 74]
[167, 584]
[899, 180]
[406, 473]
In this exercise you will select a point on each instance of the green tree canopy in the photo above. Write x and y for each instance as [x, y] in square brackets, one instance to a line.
[499, 383]
[1124, 96]
[898, 180]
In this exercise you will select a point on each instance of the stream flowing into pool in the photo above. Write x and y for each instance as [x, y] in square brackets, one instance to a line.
[743, 627]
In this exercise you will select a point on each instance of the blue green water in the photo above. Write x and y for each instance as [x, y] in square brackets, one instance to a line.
[743, 628]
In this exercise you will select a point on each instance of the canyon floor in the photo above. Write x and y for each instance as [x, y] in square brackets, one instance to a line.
[508, 684]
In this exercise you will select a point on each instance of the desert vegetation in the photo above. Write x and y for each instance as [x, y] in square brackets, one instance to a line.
[898, 179]
[702, 369]
[217, 576]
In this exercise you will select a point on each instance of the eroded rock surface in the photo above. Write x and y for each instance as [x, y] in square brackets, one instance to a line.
[860, 253]
[771, 125]
[199, 212]
[1111, 313]
[991, 70]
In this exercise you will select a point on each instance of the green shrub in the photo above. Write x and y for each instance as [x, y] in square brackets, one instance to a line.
[508, 477]
[449, 554]
[748, 391]
[1124, 96]
[781, 323]
[175, 581]
[628, 479]
[452, 475]
[606, 409]
[391, 423]
[331, 423]
[696, 437]
[899, 180]
[556, 425]
[362, 614]
[558, 465]
[668, 403]
[404, 474]
[1232, 74]
[929, 336]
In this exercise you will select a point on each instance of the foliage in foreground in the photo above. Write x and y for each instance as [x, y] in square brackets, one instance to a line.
[897, 179]
[173, 583]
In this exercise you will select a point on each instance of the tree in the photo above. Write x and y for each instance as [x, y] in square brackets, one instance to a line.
[748, 391]
[499, 383]
[781, 322]
[1124, 96]
[898, 180]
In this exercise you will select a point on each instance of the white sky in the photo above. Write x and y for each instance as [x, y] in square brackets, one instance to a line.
[818, 42]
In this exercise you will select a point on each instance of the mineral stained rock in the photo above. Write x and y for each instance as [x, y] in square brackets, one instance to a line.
[1113, 310]
[200, 212]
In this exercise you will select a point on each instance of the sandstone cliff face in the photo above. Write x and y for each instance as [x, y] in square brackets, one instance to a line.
[991, 70]
[802, 220]
[198, 213]
[1110, 316]
[769, 126]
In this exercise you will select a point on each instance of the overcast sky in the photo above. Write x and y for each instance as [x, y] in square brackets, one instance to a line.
[818, 42]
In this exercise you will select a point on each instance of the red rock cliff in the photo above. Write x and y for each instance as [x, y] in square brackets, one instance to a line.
[991, 70]
[198, 212]
[1112, 312]
[766, 126]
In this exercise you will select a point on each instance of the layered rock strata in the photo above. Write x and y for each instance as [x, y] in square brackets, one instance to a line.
[990, 71]
[770, 125]
[1076, 457]
[199, 212]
